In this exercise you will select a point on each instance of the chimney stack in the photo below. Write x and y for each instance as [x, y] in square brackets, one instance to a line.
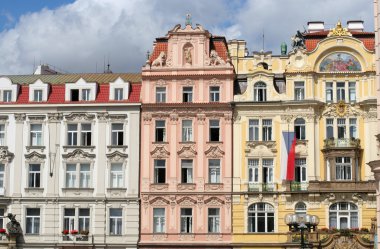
[355, 25]
[315, 26]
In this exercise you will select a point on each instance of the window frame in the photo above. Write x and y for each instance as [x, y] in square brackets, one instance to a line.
[38, 95]
[300, 128]
[160, 94]
[344, 168]
[329, 92]
[119, 134]
[299, 90]
[187, 130]
[341, 91]
[351, 213]
[187, 95]
[260, 92]
[3, 133]
[301, 168]
[214, 93]
[267, 130]
[35, 134]
[80, 134]
[160, 219]
[352, 91]
[187, 165]
[77, 175]
[254, 129]
[213, 128]
[119, 176]
[253, 217]
[213, 221]
[160, 130]
[186, 220]
[33, 219]
[117, 220]
[7, 95]
[214, 171]
[118, 93]
[34, 176]
[157, 171]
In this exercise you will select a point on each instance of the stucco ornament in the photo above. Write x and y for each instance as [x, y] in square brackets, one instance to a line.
[160, 61]
[339, 31]
[187, 151]
[215, 59]
[214, 152]
[160, 152]
[341, 109]
[298, 41]
[78, 154]
[5, 155]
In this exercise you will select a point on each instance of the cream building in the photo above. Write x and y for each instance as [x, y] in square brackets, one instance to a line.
[69, 159]
[324, 91]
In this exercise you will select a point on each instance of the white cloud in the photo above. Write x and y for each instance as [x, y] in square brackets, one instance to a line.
[76, 37]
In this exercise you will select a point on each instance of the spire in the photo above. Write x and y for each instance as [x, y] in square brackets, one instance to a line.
[188, 20]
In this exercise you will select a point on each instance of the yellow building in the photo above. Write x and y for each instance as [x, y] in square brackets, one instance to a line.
[324, 92]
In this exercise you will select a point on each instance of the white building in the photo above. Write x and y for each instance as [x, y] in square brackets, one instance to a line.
[69, 159]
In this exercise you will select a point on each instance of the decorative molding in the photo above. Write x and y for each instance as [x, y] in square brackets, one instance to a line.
[38, 118]
[159, 187]
[78, 154]
[187, 151]
[160, 152]
[159, 201]
[6, 155]
[228, 118]
[160, 60]
[186, 236]
[102, 116]
[339, 31]
[20, 117]
[147, 118]
[214, 201]
[214, 186]
[3, 118]
[116, 156]
[159, 237]
[214, 82]
[35, 157]
[342, 109]
[55, 117]
[186, 201]
[214, 152]
[270, 145]
[186, 187]
[161, 82]
[201, 118]
[214, 237]
[117, 117]
[76, 116]
[187, 82]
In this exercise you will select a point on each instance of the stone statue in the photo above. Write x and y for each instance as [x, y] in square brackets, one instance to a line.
[215, 59]
[298, 41]
[13, 226]
[188, 59]
[160, 61]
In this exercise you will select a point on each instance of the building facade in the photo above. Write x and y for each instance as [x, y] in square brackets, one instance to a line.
[69, 161]
[323, 92]
[186, 141]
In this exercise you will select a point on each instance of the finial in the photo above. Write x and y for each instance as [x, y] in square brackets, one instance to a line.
[188, 20]
[147, 55]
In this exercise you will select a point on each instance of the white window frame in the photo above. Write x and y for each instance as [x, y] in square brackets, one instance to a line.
[254, 130]
[161, 94]
[33, 219]
[343, 168]
[3, 133]
[118, 93]
[260, 92]
[213, 220]
[345, 210]
[2, 175]
[84, 220]
[80, 85]
[299, 90]
[115, 133]
[86, 94]
[300, 163]
[186, 220]
[329, 125]
[329, 93]
[352, 91]
[117, 220]
[36, 136]
[77, 176]
[38, 95]
[301, 125]
[353, 129]
[116, 176]
[69, 220]
[214, 171]
[214, 93]
[34, 176]
[159, 220]
[253, 170]
[7, 95]
[341, 91]
[79, 134]
[187, 94]
[187, 130]
[160, 126]
[119, 83]
[267, 129]
[187, 172]
[267, 213]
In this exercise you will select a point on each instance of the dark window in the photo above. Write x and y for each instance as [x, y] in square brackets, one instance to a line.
[299, 128]
[75, 95]
[214, 130]
[159, 171]
[188, 94]
[160, 130]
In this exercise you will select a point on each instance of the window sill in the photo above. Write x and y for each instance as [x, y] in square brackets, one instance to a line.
[110, 147]
[30, 189]
[32, 147]
[214, 142]
[66, 147]
[116, 189]
[160, 142]
[77, 189]
[187, 142]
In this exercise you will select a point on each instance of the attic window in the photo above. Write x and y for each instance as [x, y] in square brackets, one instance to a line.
[37, 95]
[118, 94]
[74, 95]
[7, 95]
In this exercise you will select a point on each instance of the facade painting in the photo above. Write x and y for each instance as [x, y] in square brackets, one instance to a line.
[339, 62]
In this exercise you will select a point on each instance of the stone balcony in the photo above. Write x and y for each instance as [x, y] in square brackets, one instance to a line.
[342, 186]
[262, 187]
[341, 143]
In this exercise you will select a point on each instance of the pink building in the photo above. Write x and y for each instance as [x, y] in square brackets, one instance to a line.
[186, 141]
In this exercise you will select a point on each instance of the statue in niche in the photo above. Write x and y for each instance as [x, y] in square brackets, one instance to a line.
[160, 61]
[187, 54]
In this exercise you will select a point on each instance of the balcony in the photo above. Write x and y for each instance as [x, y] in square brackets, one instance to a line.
[298, 186]
[342, 186]
[341, 143]
[262, 187]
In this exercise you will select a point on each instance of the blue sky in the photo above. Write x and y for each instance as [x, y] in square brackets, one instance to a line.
[77, 35]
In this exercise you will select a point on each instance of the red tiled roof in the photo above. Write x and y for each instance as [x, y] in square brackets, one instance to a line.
[312, 39]
[160, 46]
[57, 95]
[220, 47]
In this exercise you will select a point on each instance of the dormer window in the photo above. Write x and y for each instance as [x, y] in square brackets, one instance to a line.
[86, 94]
[80, 91]
[37, 95]
[74, 95]
[118, 93]
[7, 96]
[119, 89]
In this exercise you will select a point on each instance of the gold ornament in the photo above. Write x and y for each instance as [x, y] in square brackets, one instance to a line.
[339, 31]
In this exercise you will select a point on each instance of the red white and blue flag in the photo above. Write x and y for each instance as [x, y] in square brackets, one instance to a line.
[288, 155]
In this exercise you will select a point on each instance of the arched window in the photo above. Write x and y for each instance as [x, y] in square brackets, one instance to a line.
[260, 92]
[343, 215]
[300, 129]
[300, 208]
[260, 218]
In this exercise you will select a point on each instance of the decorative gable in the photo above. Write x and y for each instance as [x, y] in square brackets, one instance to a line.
[80, 91]
[214, 152]
[38, 91]
[119, 89]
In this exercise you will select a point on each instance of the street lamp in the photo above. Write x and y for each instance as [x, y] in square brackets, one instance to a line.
[301, 222]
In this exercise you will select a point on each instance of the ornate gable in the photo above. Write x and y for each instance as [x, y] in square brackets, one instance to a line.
[75, 116]
[187, 151]
[160, 152]
[35, 157]
[159, 201]
[78, 154]
[186, 201]
[116, 156]
[214, 201]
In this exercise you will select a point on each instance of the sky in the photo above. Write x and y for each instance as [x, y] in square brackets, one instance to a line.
[78, 36]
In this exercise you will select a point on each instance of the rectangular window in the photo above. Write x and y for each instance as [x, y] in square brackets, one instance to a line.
[160, 130]
[2, 176]
[37, 95]
[2, 214]
[187, 130]
[267, 170]
[214, 170]
[329, 91]
[341, 128]
[158, 220]
[253, 130]
[343, 168]
[71, 175]
[186, 171]
[69, 219]
[2, 135]
[117, 136]
[213, 220]
[352, 91]
[253, 170]
[300, 174]
[186, 220]
[86, 94]
[267, 130]
[340, 91]
[329, 128]
[299, 90]
[214, 93]
[187, 94]
[160, 94]
[74, 94]
[116, 221]
[85, 175]
[34, 175]
[35, 134]
[353, 128]
[7, 96]
[214, 131]
[86, 134]
[32, 220]
[118, 94]
[159, 171]
[84, 219]
[117, 176]
[72, 134]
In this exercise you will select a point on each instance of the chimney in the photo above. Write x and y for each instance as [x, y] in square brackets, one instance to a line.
[315, 26]
[355, 25]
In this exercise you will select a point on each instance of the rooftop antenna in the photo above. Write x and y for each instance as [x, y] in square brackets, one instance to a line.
[263, 40]
[104, 63]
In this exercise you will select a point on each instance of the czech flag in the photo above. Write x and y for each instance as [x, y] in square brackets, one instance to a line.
[288, 155]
